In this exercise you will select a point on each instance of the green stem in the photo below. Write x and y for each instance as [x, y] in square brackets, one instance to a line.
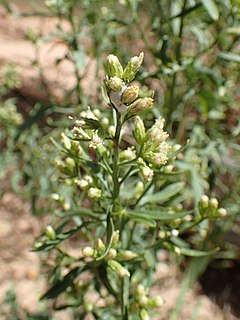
[116, 184]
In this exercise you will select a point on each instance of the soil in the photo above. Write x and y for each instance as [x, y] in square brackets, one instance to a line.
[21, 268]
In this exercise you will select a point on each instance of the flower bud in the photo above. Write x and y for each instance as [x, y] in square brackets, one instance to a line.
[126, 255]
[132, 67]
[50, 232]
[127, 155]
[94, 193]
[213, 203]
[65, 141]
[88, 252]
[112, 253]
[155, 302]
[204, 201]
[69, 165]
[221, 212]
[138, 190]
[130, 94]
[144, 315]
[118, 268]
[115, 239]
[83, 184]
[157, 159]
[100, 246]
[105, 122]
[140, 106]
[114, 84]
[113, 67]
[139, 130]
[147, 173]
[95, 141]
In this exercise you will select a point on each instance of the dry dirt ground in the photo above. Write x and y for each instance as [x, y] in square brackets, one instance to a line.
[21, 268]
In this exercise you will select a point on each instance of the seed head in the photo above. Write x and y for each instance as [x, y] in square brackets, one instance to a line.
[140, 105]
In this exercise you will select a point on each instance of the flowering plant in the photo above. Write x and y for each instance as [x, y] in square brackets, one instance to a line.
[126, 205]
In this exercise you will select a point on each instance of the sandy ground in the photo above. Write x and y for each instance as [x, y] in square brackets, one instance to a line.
[21, 268]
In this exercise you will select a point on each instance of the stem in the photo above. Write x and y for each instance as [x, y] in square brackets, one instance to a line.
[116, 184]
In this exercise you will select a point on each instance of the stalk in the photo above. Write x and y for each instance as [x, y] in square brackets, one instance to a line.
[116, 184]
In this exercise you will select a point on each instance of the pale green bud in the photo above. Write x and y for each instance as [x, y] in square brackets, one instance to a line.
[141, 290]
[113, 67]
[65, 141]
[157, 159]
[147, 173]
[94, 193]
[126, 255]
[168, 169]
[55, 196]
[155, 302]
[130, 94]
[83, 184]
[88, 252]
[114, 84]
[144, 314]
[70, 164]
[132, 67]
[111, 131]
[140, 105]
[204, 201]
[95, 141]
[177, 250]
[174, 232]
[100, 246]
[50, 232]
[127, 155]
[115, 239]
[213, 203]
[105, 122]
[138, 190]
[112, 253]
[118, 268]
[221, 212]
[88, 178]
[139, 130]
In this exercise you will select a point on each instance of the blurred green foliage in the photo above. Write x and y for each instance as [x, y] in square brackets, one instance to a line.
[192, 62]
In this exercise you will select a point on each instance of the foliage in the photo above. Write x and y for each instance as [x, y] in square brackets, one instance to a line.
[191, 58]
[131, 203]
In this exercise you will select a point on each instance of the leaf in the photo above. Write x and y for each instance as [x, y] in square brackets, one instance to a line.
[158, 214]
[63, 284]
[78, 212]
[110, 229]
[142, 219]
[163, 195]
[229, 56]
[197, 253]
[211, 8]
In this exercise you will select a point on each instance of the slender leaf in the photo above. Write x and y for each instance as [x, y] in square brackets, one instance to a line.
[163, 195]
[211, 8]
[229, 56]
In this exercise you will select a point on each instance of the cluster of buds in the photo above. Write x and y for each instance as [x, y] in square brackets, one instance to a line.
[114, 257]
[86, 184]
[208, 208]
[154, 149]
[9, 115]
[66, 166]
[125, 97]
[144, 303]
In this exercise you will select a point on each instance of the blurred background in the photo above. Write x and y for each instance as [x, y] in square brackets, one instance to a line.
[51, 66]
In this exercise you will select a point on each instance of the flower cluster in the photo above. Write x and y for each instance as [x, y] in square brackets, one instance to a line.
[124, 97]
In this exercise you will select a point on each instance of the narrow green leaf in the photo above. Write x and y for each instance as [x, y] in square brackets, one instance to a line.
[142, 219]
[229, 56]
[197, 253]
[110, 229]
[158, 214]
[63, 284]
[211, 8]
[163, 195]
